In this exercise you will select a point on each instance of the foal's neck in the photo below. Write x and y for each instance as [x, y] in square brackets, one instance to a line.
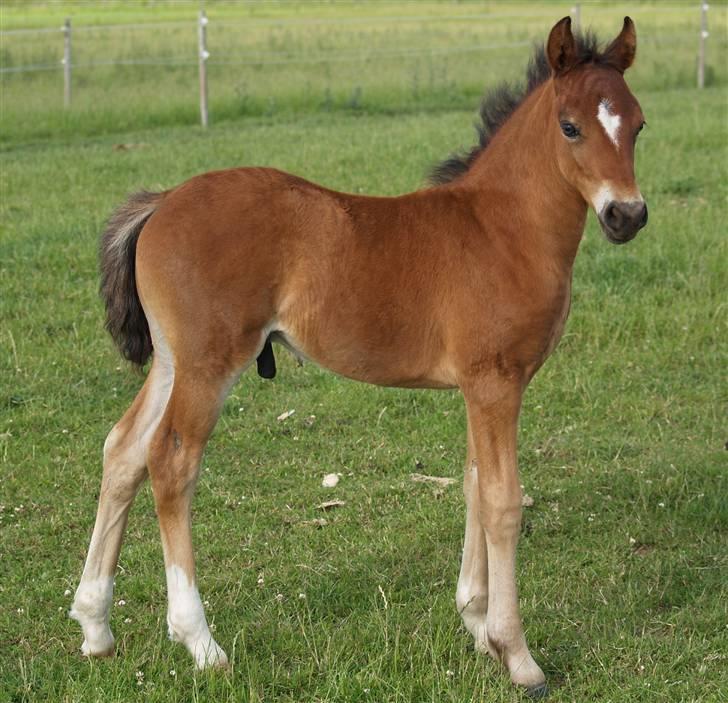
[518, 172]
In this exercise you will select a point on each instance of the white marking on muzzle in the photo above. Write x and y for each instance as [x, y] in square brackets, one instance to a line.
[602, 198]
[605, 195]
[609, 120]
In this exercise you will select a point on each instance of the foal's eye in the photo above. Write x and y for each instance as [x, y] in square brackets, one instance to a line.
[570, 130]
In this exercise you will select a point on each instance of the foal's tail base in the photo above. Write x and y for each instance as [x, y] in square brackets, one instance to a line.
[125, 319]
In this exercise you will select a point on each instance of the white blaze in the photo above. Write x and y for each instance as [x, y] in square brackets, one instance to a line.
[609, 120]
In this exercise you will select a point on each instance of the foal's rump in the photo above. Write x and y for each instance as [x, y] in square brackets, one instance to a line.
[207, 265]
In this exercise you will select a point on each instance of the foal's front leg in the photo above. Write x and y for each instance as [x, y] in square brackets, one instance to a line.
[493, 417]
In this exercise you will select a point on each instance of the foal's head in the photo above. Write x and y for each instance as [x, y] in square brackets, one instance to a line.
[598, 120]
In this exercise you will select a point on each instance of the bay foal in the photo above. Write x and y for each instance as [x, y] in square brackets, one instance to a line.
[465, 284]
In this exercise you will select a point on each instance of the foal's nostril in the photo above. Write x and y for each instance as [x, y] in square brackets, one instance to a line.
[613, 217]
[643, 217]
[620, 217]
[634, 214]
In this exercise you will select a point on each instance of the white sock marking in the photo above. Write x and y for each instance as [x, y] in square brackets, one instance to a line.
[90, 608]
[609, 120]
[186, 620]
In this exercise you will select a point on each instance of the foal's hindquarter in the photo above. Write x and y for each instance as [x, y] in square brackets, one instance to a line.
[464, 285]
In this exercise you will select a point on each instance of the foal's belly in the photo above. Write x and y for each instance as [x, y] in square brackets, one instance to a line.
[368, 360]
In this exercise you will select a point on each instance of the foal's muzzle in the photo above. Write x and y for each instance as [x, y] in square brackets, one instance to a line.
[621, 221]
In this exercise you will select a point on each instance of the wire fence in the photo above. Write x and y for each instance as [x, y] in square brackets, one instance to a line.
[262, 58]
[275, 59]
[285, 21]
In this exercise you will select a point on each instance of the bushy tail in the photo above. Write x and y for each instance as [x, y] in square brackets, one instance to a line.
[125, 318]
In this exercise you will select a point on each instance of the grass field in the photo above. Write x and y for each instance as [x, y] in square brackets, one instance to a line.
[622, 561]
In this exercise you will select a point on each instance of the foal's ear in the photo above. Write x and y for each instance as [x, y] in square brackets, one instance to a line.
[561, 47]
[620, 53]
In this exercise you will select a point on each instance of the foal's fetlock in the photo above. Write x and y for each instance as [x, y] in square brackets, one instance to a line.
[91, 610]
[473, 609]
[98, 639]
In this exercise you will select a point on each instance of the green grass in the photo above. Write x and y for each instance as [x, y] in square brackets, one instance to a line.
[622, 561]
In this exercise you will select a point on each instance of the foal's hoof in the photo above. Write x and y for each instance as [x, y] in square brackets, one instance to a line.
[98, 651]
[209, 655]
[538, 692]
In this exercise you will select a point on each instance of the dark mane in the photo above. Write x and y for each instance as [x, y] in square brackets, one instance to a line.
[502, 101]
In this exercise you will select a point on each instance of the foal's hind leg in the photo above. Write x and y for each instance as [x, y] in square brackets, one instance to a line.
[174, 461]
[124, 469]
[471, 597]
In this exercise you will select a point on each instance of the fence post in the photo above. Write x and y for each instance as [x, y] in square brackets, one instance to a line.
[576, 14]
[203, 56]
[701, 47]
[67, 63]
